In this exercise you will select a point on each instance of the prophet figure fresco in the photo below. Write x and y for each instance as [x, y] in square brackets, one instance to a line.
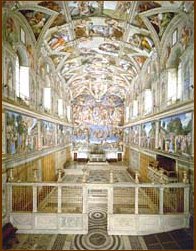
[161, 21]
[36, 20]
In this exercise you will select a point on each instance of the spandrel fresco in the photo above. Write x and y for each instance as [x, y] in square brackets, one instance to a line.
[161, 21]
[21, 133]
[175, 134]
[36, 20]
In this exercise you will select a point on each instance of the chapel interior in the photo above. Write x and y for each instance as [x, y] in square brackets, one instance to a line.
[97, 125]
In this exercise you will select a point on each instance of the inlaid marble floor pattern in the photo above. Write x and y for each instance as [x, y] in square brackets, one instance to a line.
[98, 239]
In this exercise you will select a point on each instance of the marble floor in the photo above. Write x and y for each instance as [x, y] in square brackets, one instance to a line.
[98, 239]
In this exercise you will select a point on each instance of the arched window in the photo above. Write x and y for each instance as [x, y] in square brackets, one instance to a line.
[172, 85]
[60, 107]
[47, 98]
[179, 85]
[135, 108]
[148, 101]
[22, 81]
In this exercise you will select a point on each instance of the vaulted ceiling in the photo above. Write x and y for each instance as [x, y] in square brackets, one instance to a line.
[98, 47]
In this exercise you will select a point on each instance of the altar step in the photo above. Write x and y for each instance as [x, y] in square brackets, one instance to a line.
[97, 196]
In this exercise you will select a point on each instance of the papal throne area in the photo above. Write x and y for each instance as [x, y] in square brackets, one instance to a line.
[97, 125]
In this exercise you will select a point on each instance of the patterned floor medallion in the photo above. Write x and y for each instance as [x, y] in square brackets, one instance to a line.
[97, 237]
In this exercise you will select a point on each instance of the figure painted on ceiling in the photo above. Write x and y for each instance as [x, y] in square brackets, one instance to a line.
[31, 55]
[52, 5]
[140, 60]
[185, 36]
[147, 5]
[122, 8]
[36, 20]
[10, 31]
[83, 8]
[167, 55]
[142, 42]
[59, 40]
[161, 21]
[109, 47]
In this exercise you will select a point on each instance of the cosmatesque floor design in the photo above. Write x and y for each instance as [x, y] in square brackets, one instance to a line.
[98, 239]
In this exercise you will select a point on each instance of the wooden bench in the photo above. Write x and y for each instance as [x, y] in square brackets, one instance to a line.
[9, 235]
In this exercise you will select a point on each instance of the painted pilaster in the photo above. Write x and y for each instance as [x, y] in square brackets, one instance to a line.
[157, 134]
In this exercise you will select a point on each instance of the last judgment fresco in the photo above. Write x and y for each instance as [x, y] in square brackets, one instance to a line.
[98, 122]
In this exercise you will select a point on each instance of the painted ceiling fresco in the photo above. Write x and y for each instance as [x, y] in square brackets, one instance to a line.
[81, 37]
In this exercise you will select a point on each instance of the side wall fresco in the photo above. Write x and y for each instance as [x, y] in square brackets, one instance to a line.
[175, 135]
[21, 133]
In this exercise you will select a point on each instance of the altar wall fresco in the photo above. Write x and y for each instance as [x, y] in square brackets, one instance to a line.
[174, 135]
[98, 122]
